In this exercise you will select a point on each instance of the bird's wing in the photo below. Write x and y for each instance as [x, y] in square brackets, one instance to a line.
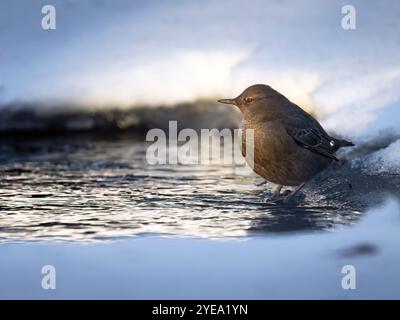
[309, 134]
[314, 140]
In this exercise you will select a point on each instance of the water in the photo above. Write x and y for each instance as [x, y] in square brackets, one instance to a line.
[91, 189]
[114, 226]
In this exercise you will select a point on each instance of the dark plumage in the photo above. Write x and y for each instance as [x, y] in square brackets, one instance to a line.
[290, 146]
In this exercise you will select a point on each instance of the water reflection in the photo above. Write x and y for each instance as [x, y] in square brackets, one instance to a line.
[100, 189]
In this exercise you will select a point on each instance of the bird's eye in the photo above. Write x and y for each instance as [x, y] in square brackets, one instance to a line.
[248, 100]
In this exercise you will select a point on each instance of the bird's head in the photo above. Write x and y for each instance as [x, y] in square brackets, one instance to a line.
[254, 97]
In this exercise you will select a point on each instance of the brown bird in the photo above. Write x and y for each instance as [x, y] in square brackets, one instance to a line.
[290, 146]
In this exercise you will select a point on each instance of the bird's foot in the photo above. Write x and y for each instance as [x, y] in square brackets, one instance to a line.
[283, 198]
[286, 199]
[278, 197]
[286, 196]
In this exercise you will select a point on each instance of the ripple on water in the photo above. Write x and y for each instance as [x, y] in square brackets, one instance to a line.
[104, 190]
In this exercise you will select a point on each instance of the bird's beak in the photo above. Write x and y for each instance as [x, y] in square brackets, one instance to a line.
[227, 101]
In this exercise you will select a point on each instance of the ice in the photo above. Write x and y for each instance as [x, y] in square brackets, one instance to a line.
[385, 160]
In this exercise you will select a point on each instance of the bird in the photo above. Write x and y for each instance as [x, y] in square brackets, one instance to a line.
[290, 145]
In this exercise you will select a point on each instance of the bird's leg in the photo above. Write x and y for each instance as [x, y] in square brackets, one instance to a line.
[276, 192]
[293, 193]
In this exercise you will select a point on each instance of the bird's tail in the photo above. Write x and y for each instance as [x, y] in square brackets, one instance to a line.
[339, 143]
[343, 143]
